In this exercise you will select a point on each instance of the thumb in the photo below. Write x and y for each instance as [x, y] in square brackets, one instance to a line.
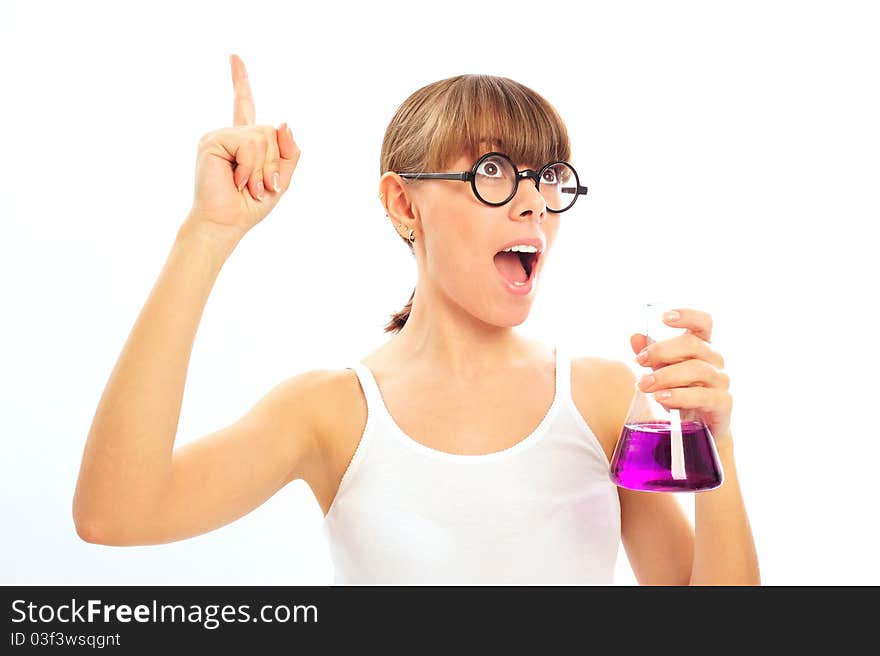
[288, 152]
[638, 341]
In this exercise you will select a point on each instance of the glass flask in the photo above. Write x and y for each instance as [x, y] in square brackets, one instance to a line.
[662, 450]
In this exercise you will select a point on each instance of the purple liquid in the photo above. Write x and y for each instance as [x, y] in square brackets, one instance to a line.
[642, 459]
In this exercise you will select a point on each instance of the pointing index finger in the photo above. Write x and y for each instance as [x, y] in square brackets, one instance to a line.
[243, 109]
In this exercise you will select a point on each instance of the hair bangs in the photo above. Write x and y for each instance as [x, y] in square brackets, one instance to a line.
[483, 113]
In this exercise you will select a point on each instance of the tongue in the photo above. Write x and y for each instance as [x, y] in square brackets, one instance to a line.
[510, 266]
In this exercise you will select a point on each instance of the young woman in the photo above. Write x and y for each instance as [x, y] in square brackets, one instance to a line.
[458, 451]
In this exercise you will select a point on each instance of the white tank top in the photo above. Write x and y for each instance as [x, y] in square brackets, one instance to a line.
[543, 511]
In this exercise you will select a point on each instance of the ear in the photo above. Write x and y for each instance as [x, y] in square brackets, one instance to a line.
[395, 197]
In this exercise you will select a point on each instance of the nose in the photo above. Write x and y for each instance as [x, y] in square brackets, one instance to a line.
[528, 199]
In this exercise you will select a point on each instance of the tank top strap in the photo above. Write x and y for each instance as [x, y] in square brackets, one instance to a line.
[371, 389]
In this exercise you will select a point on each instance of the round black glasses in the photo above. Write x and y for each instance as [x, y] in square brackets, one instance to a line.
[495, 180]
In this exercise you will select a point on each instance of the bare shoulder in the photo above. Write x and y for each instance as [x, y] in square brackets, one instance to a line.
[338, 402]
[338, 412]
[602, 389]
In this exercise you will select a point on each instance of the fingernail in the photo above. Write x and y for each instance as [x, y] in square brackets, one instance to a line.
[276, 182]
[242, 183]
[260, 190]
[646, 381]
[643, 354]
[671, 316]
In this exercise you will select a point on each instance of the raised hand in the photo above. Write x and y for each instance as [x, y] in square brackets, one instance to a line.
[242, 171]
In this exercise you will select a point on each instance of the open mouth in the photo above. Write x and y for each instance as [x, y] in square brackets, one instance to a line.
[516, 267]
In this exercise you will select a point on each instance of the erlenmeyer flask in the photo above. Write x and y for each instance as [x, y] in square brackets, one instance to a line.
[662, 450]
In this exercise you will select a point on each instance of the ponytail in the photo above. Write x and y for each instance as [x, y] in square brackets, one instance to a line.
[398, 319]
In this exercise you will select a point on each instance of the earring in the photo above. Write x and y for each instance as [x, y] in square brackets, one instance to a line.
[412, 236]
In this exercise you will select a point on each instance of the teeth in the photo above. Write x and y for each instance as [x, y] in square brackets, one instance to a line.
[521, 248]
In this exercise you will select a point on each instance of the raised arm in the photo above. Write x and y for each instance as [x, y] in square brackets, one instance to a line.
[133, 488]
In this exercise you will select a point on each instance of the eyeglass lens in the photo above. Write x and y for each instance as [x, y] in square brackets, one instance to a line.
[495, 181]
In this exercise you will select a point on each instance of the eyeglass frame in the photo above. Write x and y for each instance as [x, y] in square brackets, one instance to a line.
[471, 176]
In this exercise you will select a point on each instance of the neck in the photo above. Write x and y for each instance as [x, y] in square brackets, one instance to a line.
[442, 337]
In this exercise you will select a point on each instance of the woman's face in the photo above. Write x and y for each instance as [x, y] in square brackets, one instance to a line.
[460, 237]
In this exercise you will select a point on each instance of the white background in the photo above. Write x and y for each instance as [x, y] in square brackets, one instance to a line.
[731, 155]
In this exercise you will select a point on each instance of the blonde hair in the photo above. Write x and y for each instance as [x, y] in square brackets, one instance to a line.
[448, 119]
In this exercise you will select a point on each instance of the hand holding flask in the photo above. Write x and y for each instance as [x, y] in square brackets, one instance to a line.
[664, 449]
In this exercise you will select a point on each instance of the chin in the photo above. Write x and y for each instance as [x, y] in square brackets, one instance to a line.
[510, 317]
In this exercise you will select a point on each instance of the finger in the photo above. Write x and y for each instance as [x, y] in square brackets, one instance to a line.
[697, 322]
[270, 167]
[697, 373]
[255, 182]
[637, 341]
[243, 105]
[706, 399]
[289, 153]
[245, 161]
[678, 349]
